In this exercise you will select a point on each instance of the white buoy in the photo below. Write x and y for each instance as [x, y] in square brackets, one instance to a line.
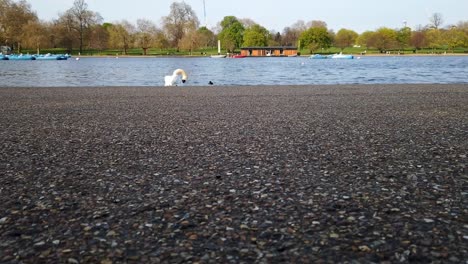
[77, 59]
[171, 80]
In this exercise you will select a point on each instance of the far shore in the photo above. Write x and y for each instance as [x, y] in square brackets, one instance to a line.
[207, 56]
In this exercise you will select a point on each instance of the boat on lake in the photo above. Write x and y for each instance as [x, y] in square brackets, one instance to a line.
[342, 56]
[49, 56]
[3, 57]
[21, 57]
[334, 56]
[320, 57]
[219, 56]
[238, 56]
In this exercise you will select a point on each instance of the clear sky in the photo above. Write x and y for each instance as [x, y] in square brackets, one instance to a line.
[358, 15]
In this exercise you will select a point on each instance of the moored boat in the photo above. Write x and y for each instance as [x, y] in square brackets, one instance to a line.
[238, 56]
[342, 56]
[21, 57]
[3, 57]
[319, 56]
[218, 56]
[219, 52]
[51, 57]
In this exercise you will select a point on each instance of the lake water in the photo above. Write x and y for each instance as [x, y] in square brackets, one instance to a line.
[247, 71]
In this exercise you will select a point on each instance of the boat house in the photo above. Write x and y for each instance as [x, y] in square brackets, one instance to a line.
[274, 51]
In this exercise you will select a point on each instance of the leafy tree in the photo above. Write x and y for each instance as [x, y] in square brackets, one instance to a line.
[121, 36]
[13, 17]
[418, 39]
[160, 40]
[317, 24]
[146, 31]
[434, 38]
[207, 37]
[384, 39]
[232, 33]
[256, 35]
[366, 39]
[404, 37]
[345, 38]
[463, 26]
[315, 38]
[190, 41]
[181, 20]
[454, 38]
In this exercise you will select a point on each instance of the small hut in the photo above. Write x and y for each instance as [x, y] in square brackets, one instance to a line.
[273, 51]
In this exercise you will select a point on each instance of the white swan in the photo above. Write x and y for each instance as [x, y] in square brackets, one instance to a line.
[171, 80]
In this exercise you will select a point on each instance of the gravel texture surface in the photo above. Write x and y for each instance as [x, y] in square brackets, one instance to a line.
[316, 174]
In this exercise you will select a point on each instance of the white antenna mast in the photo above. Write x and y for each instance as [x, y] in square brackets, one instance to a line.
[204, 13]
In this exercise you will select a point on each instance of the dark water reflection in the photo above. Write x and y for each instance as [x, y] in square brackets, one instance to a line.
[248, 71]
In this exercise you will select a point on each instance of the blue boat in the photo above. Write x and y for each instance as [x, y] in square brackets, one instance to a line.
[21, 57]
[51, 57]
[3, 57]
[319, 56]
[342, 56]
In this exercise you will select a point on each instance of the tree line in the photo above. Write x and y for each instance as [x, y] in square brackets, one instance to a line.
[80, 28]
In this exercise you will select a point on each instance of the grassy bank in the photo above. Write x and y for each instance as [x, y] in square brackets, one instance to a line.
[209, 51]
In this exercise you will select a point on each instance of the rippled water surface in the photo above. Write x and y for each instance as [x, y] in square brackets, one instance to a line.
[247, 71]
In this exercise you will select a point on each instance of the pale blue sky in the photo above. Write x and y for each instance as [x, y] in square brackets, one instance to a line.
[359, 15]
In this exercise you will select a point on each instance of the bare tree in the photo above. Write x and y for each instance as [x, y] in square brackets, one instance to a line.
[146, 31]
[83, 18]
[13, 17]
[181, 20]
[436, 20]
[34, 35]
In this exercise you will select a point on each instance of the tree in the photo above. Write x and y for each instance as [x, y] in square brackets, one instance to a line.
[232, 33]
[454, 38]
[434, 38]
[436, 20]
[146, 31]
[34, 35]
[99, 36]
[418, 39]
[366, 39]
[121, 36]
[291, 35]
[315, 38]
[82, 19]
[13, 17]
[207, 37]
[256, 35]
[463, 26]
[404, 37]
[317, 24]
[190, 41]
[384, 39]
[181, 19]
[345, 38]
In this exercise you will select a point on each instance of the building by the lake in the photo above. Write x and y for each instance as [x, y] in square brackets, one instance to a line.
[274, 51]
